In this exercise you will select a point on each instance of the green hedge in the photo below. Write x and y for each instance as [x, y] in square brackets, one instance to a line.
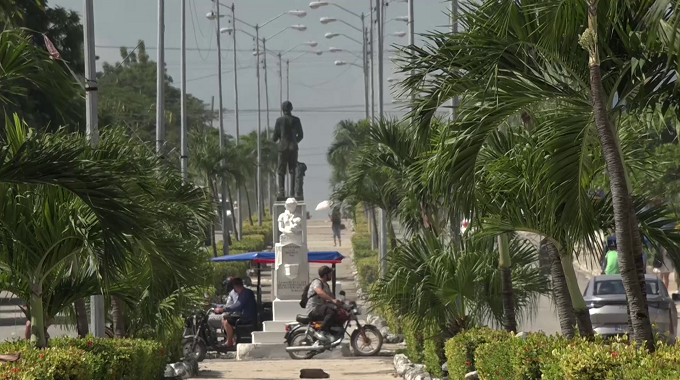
[86, 359]
[369, 271]
[265, 230]
[248, 243]
[500, 355]
[433, 352]
[361, 242]
[413, 340]
[460, 350]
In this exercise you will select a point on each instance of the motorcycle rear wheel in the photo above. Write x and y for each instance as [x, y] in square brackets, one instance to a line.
[199, 352]
[300, 338]
[375, 342]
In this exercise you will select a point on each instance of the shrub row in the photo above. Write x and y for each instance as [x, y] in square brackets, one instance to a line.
[85, 359]
[265, 230]
[500, 355]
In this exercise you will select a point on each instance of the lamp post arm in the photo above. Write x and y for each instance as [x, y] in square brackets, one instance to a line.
[352, 38]
[351, 26]
[281, 31]
[275, 18]
[346, 10]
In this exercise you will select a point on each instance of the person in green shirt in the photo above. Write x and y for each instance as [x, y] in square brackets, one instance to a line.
[611, 258]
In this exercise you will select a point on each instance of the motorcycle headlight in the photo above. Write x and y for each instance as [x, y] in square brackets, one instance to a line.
[356, 311]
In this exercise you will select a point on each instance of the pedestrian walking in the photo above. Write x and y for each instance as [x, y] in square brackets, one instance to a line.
[666, 267]
[336, 223]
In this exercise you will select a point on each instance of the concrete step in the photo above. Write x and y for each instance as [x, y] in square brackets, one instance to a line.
[275, 326]
[275, 337]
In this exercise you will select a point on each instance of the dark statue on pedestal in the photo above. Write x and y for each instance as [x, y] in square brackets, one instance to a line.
[299, 180]
[288, 133]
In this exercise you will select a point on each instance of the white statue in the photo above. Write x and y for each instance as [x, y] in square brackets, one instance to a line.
[289, 224]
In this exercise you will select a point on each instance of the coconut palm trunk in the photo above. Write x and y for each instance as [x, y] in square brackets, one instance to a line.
[37, 317]
[213, 241]
[117, 317]
[565, 309]
[623, 216]
[509, 319]
[250, 211]
[81, 318]
[585, 327]
[374, 226]
[391, 232]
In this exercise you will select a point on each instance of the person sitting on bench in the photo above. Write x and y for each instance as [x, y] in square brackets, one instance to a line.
[244, 310]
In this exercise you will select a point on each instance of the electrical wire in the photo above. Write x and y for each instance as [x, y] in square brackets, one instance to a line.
[193, 25]
[194, 12]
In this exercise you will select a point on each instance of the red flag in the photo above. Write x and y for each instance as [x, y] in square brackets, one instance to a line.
[54, 53]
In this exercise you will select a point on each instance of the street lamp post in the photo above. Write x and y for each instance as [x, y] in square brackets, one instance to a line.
[223, 199]
[160, 79]
[381, 212]
[288, 61]
[97, 310]
[184, 158]
[236, 116]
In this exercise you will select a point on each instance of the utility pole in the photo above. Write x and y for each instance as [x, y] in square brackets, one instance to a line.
[97, 312]
[454, 224]
[364, 63]
[288, 79]
[184, 158]
[160, 80]
[266, 102]
[212, 111]
[259, 128]
[372, 66]
[454, 30]
[238, 133]
[223, 198]
[383, 222]
[280, 84]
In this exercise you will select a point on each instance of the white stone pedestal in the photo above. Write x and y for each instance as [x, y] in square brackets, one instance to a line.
[290, 277]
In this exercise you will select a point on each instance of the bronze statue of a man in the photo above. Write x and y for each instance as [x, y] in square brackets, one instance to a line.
[288, 133]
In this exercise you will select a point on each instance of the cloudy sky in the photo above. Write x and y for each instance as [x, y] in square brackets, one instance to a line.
[321, 92]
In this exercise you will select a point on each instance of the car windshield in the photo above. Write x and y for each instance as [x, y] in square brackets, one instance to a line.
[612, 287]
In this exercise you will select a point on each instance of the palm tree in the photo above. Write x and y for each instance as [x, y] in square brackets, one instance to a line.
[27, 67]
[348, 137]
[435, 282]
[515, 56]
[207, 164]
[69, 209]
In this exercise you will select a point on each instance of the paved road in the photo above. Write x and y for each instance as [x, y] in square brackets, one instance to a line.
[546, 317]
[13, 321]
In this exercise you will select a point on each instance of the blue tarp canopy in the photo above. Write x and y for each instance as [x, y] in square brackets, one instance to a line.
[328, 257]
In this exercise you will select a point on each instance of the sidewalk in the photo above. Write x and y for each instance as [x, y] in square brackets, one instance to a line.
[379, 368]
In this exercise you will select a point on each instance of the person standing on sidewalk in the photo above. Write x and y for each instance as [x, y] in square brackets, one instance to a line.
[610, 264]
[336, 222]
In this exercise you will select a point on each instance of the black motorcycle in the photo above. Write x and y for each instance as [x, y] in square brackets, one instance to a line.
[200, 337]
[302, 343]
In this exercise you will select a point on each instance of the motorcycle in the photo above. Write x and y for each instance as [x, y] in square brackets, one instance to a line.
[201, 337]
[302, 343]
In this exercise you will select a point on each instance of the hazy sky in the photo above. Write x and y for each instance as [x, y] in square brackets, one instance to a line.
[321, 92]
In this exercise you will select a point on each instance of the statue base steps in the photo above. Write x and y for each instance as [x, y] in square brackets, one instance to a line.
[286, 310]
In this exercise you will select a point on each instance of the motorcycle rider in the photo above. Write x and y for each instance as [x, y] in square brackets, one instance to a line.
[245, 306]
[321, 306]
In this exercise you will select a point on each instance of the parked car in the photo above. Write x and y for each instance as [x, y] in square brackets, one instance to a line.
[605, 298]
